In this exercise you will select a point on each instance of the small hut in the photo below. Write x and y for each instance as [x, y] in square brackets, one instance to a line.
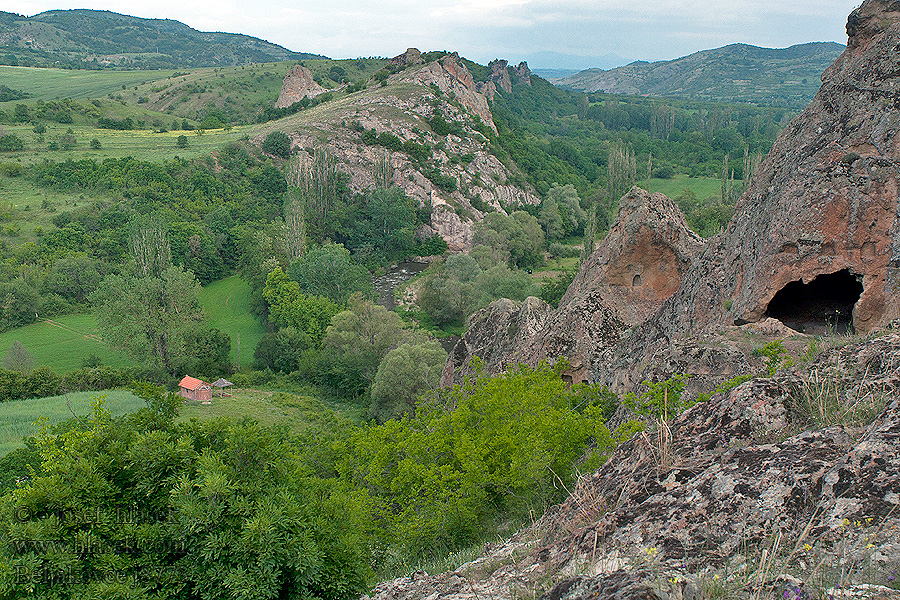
[196, 390]
[222, 384]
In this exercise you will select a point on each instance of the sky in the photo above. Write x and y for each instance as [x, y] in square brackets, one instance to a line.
[483, 30]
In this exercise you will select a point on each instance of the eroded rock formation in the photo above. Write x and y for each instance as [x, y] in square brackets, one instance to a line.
[396, 110]
[451, 76]
[298, 84]
[636, 268]
[824, 202]
[641, 260]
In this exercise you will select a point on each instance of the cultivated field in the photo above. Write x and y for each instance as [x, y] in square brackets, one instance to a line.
[19, 418]
[62, 343]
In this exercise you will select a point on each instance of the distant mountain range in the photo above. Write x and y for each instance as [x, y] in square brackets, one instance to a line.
[734, 73]
[97, 39]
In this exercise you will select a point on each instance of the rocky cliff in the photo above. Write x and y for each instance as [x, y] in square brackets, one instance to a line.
[815, 241]
[637, 267]
[751, 494]
[445, 172]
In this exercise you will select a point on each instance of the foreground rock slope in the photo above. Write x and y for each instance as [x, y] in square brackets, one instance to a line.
[693, 506]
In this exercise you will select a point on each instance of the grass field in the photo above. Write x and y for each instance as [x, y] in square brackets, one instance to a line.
[294, 411]
[17, 418]
[48, 84]
[703, 187]
[140, 143]
[62, 343]
[226, 306]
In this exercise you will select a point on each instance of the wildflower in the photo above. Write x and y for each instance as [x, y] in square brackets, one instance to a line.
[807, 547]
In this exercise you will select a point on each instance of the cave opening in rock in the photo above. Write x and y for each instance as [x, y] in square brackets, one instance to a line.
[822, 306]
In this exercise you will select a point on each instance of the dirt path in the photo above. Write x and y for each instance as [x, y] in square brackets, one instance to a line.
[87, 336]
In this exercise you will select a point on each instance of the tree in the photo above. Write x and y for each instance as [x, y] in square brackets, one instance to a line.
[213, 509]
[317, 180]
[151, 318]
[621, 171]
[289, 307]
[72, 278]
[519, 234]
[11, 143]
[407, 372]
[95, 144]
[18, 304]
[277, 143]
[356, 341]
[181, 141]
[327, 271]
[294, 224]
[149, 245]
[18, 358]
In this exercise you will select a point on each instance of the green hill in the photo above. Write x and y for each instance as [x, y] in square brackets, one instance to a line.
[97, 39]
[734, 73]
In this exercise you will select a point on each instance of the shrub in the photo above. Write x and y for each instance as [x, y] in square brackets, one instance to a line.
[277, 143]
[11, 143]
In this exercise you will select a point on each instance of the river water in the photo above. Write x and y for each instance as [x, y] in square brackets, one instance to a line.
[397, 276]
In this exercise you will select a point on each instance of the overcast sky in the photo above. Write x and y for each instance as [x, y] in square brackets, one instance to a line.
[486, 29]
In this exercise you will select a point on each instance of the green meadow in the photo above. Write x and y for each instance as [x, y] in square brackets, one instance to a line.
[48, 84]
[226, 306]
[19, 419]
[62, 343]
[703, 187]
[143, 144]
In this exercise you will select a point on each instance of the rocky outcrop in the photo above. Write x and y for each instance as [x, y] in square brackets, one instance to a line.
[410, 58]
[298, 84]
[636, 268]
[496, 334]
[404, 111]
[523, 73]
[753, 472]
[642, 259]
[500, 75]
[815, 241]
[451, 76]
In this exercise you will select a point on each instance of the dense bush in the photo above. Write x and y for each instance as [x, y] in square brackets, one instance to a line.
[494, 448]
[196, 510]
[277, 143]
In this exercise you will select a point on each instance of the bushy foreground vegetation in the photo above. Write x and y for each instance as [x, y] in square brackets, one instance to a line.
[144, 506]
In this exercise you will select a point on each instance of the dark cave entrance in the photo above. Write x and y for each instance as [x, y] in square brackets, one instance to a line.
[822, 306]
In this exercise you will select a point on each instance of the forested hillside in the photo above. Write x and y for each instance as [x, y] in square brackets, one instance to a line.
[94, 39]
[735, 73]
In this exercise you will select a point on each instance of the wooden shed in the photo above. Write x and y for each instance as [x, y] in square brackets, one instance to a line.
[196, 390]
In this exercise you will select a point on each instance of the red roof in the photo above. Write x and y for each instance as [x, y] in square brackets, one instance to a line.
[190, 383]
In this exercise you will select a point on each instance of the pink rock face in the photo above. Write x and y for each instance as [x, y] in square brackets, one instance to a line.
[824, 204]
[450, 75]
[298, 84]
[642, 259]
